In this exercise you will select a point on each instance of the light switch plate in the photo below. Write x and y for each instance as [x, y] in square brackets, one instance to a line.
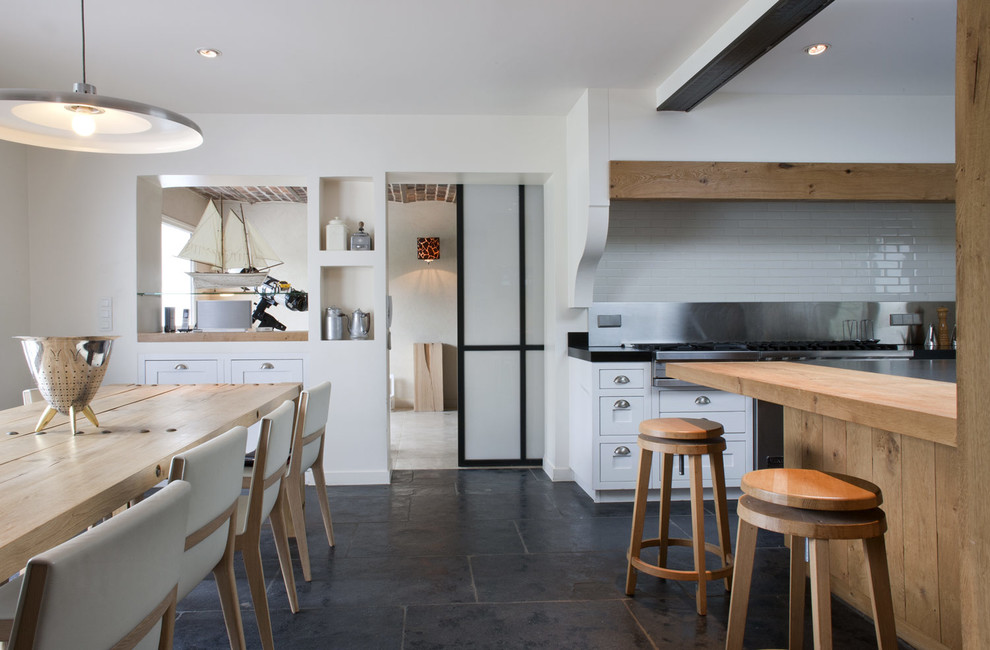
[104, 314]
[905, 319]
[609, 320]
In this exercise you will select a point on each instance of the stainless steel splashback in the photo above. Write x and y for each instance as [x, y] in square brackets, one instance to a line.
[672, 322]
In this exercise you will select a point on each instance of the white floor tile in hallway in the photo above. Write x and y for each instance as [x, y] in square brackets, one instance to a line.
[424, 440]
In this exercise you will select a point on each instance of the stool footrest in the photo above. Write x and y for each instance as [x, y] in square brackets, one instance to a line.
[677, 574]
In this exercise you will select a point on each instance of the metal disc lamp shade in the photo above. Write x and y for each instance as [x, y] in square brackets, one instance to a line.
[428, 248]
[81, 120]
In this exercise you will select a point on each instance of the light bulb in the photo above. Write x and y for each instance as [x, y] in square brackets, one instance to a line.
[83, 124]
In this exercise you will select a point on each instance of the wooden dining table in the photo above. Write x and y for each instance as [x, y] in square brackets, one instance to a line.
[54, 484]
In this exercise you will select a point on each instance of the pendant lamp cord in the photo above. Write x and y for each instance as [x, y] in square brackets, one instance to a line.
[82, 8]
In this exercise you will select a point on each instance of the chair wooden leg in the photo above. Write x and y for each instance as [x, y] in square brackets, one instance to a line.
[742, 578]
[223, 573]
[321, 495]
[796, 598]
[721, 512]
[293, 492]
[883, 606]
[639, 517]
[251, 551]
[282, 548]
[821, 595]
[666, 476]
[698, 533]
[167, 636]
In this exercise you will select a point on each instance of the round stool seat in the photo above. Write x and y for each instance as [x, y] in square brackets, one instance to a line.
[811, 489]
[680, 428]
[814, 524]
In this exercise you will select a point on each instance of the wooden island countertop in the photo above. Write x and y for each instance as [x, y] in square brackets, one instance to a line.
[897, 432]
[919, 408]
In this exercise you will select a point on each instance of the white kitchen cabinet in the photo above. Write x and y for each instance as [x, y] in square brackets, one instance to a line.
[182, 371]
[620, 395]
[265, 371]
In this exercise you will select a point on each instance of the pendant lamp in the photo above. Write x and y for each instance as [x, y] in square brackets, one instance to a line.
[81, 120]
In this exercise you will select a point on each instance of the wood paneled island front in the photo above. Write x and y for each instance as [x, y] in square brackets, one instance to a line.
[898, 432]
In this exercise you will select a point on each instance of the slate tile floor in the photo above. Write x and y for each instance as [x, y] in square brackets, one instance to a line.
[500, 558]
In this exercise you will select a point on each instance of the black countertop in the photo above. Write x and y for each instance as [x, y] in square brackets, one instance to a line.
[934, 369]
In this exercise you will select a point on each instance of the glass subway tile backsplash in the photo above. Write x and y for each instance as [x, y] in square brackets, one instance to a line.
[682, 251]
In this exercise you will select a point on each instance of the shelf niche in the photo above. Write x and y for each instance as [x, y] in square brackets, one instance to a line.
[353, 200]
[348, 288]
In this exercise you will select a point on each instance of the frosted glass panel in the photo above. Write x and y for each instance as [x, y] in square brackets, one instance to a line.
[491, 265]
[534, 265]
[491, 405]
[534, 404]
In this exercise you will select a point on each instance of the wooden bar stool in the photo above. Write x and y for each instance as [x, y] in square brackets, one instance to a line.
[817, 506]
[694, 438]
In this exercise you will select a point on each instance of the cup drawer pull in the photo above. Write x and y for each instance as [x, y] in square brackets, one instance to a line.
[267, 366]
[621, 451]
[621, 379]
[702, 401]
[620, 404]
[181, 366]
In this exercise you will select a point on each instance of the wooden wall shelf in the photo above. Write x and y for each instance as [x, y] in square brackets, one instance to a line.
[215, 337]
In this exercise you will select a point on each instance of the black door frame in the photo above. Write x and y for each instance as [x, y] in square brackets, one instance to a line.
[522, 347]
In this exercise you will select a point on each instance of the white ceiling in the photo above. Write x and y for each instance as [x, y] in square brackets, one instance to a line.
[527, 57]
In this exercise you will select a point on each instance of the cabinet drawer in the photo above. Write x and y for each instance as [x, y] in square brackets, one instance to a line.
[619, 462]
[621, 414]
[699, 401]
[182, 371]
[733, 458]
[731, 421]
[265, 371]
[621, 378]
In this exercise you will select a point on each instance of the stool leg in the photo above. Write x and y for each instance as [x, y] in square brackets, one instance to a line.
[666, 475]
[698, 533]
[742, 577]
[821, 595]
[883, 607]
[796, 600]
[721, 513]
[639, 517]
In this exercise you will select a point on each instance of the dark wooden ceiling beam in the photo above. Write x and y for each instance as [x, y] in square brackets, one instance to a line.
[759, 38]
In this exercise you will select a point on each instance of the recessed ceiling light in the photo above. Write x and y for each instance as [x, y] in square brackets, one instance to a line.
[816, 49]
[208, 52]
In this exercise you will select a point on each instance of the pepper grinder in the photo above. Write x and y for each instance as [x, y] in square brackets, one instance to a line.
[942, 331]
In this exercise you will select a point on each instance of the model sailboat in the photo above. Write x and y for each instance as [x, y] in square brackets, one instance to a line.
[226, 244]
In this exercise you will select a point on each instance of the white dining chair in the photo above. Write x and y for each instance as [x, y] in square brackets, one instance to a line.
[30, 396]
[266, 500]
[112, 586]
[308, 443]
[213, 469]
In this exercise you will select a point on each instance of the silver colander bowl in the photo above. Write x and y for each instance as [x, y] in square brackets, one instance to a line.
[68, 371]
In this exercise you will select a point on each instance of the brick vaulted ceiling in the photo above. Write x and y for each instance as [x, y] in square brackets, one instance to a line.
[254, 194]
[409, 193]
[398, 192]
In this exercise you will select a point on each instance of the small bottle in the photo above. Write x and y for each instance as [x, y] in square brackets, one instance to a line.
[336, 233]
[954, 337]
[930, 339]
[360, 241]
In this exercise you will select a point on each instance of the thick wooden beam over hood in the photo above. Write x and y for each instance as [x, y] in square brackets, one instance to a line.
[762, 181]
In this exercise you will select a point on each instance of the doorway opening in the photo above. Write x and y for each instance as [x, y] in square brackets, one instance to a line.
[422, 286]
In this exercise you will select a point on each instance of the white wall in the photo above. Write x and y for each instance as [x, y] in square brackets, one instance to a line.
[82, 213]
[14, 266]
[424, 296]
[706, 251]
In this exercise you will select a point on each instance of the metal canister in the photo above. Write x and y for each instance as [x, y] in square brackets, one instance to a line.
[336, 324]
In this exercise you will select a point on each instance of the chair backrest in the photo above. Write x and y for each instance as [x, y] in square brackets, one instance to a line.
[112, 586]
[271, 461]
[214, 470]
[311, 425]
[31, 395]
